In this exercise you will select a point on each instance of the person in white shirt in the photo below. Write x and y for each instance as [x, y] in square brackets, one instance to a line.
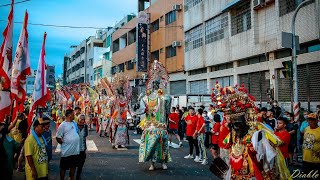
[68, 137]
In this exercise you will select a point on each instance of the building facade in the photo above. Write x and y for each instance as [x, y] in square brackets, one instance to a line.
[240, 42]
[51, 77]
[80, 62]
[165, 42]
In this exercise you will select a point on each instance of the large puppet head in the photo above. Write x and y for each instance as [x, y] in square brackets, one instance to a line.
[236, 102]
[158, 77]
[121, 85]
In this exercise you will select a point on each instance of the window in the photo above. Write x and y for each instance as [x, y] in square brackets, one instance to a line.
[198, 71]
[241, 18]
[283, 53]
[82, 63]
[253, 60]
[171, 17]
[114, 70]
[154, 26]
[193, 38]
[171, 51]
[82, 50]
[155, 55]
[190, 3]
[121, 67]
[51, 69]
[130, 65]
[222, 66]
[217, 28]
[108, 44]
[287, 6]
[91, 78]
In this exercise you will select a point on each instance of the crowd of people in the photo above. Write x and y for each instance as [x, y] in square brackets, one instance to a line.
[29, 150]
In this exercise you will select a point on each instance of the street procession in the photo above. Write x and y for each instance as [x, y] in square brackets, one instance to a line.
[160, 89]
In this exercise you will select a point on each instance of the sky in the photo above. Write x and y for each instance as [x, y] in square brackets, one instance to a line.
[93, 13]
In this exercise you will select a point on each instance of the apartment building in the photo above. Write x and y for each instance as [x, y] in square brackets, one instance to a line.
[165, 43]
[51, 77]
[240, 42]
[79, 65]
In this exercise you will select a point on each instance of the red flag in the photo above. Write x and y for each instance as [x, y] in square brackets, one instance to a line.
[20, 68]
[41, 93]
[5, 67]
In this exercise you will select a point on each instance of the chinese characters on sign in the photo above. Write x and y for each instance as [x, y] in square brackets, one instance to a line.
[142, 42]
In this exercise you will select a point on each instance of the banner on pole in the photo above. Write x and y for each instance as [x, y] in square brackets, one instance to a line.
[142, 42]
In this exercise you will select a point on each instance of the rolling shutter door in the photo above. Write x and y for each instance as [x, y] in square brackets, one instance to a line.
[198, 87]
[178, 88]
[314, 83]
[257, 84]
[303, 83]
[284, 88]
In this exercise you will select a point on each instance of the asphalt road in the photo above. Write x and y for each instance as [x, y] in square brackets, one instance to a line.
[104, 162]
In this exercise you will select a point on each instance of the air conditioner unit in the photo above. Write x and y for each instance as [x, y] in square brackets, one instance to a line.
[258, 3]
[144, 76]
[176, 43]
[177, 7]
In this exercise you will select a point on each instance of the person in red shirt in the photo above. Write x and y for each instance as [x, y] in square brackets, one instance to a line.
[224, 131]
[191, 121]
[215, 135]
[173, 125]
[200, 136]
[284, 136]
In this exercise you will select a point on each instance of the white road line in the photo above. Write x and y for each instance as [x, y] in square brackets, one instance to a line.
[173, 145]
[137, 141]
[91, 146]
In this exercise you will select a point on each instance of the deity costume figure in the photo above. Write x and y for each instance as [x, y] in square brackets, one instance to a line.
[120, 92]
[253, 148]
[155, 104]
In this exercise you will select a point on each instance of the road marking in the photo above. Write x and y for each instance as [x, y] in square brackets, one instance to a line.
[137, 141]
[173, 145]
[91, 146]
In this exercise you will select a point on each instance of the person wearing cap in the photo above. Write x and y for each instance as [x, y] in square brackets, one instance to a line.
[311, 145]
[35, 152]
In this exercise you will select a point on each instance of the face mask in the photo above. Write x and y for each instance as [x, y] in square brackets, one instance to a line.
[204, 115]
[285, 116]
[306, 116]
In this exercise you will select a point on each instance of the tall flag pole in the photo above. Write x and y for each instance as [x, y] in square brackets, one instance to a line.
[20, 70]
[41, 93]
[5, 67]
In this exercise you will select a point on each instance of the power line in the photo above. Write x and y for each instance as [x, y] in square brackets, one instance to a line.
[81, 27]
[14, 3]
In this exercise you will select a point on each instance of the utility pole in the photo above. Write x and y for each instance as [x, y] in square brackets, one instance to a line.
[296, 107]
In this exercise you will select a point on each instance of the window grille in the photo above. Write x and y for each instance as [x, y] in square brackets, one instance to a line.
[241, 18]
[190, 3]
[193, 38]
[216, 28]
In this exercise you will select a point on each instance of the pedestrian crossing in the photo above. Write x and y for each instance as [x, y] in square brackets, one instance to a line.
[173, 145]
[91, 147]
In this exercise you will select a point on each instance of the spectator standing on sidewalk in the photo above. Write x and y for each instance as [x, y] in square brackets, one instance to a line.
[173, 125]
[69, 139]
[292, 128]
[8, 147]
[207, 136]
[215, 136]
[35, 152]
[191, 121]
[311, 145]
[83, 133]
[47, 134]
[271, 121]
[200, 136]
[284, 136]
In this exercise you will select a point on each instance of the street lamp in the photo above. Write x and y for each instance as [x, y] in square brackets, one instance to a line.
[294, 62]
